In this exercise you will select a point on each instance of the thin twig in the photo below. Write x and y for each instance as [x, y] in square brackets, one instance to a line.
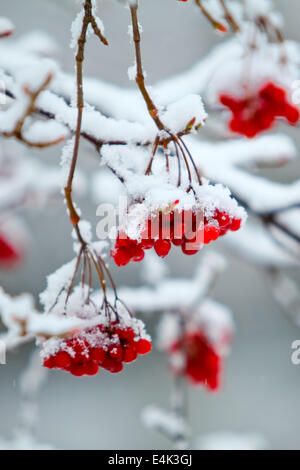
[140, 79]
[17, 132]
[216, 24]
[229, 17]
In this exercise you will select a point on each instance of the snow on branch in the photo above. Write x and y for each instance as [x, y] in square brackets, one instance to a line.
[25, 180]
[165, 422]
[175, 294]
[257, 246]
[222, 163]
[15, 121]
[23, 322]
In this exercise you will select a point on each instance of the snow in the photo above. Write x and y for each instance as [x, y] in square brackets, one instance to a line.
[37, 43]
[158, 194]
[114, 117]
[167, 423]
[172, 294]
[255, 245]
[50, 131]
[126, 103]
[86, 333]
[6, 27]
[222, 163]
[154, 269]
[23, 441]
[236, 74]
[76, 28]
[132, 72]
[25, 180]
[180, 113]
[106, 187]
[232, 441]
[210, 317]
[23, 321]
[255, 8]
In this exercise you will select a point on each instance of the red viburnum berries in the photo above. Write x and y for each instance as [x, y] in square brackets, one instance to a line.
[184, 229]
[162, 247]
[101, 346]
[9, 255]
[201, 363]
[257, 113]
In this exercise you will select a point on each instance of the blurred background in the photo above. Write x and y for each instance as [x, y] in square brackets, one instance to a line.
[261, 387]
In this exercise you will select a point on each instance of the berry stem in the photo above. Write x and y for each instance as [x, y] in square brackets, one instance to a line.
[229, 17]
[216, 24]
[140, 79]
[87, 20]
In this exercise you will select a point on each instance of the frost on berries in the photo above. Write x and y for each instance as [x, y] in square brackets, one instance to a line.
[107, 335]
[190, 222]
[174, 184]
[107, 345]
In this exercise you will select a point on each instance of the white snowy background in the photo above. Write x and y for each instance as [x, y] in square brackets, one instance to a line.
[261, 387]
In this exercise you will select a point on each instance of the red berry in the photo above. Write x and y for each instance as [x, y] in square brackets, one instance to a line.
[137, 254]
[8, 254]
[91, 368]
[49, 362]
[235, 225]
[84, 358]
[143, 346]
[202, 363]
[292, 114]
[162, 247]
[223, 218]
[127, 334]
[121, 256]
[130, 353]
[188, 248]
[211, 232]
[62, 360]
[112, 366]
[147, 243]
[177, 241]
[258, 112]
[77, 369]
[116, 352]
[98, 355]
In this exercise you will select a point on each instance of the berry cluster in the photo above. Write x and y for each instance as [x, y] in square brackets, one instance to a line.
[8, 253]
[185, 229]
[258, 113]
[202, 364]
[101, 346]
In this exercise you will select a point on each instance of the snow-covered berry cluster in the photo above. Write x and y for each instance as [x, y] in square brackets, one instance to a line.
[105, 346]
[202, 362]
[197, 343]
[188, 229]
[258, 112]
